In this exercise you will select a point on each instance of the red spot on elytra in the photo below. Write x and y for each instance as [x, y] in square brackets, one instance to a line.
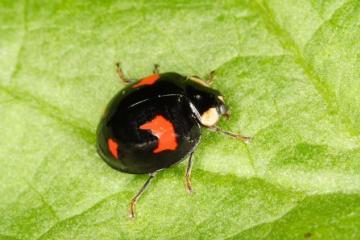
[113, 148]
[164, 131]
[147, 81]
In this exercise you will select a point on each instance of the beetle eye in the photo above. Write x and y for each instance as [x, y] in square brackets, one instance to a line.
[197, 96]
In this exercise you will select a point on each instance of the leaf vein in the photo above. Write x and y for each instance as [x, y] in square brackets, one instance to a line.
[289, 44]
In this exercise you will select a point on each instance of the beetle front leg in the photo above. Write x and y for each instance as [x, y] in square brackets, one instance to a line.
[135, 199]
[210, 78]
[188, 174]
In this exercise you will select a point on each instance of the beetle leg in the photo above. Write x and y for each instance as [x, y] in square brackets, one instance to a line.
[198, 80]
[234, 135]
[121, 74]
[135, 199]
[156, 69]
[210, 78]
[207, 82]
[188, 174]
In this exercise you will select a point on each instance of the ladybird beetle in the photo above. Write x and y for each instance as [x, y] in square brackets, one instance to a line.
[155, 123]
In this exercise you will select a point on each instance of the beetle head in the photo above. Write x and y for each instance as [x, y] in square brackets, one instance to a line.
[206, 103]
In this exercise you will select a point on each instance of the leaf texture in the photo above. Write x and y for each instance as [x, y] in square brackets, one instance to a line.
[289, 71]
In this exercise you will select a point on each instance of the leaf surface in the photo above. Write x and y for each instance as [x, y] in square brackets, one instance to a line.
[289, 71]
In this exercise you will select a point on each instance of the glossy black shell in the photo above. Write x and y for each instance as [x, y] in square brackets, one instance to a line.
[135, 106]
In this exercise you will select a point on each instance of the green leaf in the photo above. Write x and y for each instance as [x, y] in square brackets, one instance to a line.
[289, 70]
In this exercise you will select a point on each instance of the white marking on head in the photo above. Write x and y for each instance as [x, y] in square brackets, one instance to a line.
[210, 117]
[221, 98]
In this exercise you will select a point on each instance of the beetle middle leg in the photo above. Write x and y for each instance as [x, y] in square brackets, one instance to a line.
[188, 174]
[135, 199]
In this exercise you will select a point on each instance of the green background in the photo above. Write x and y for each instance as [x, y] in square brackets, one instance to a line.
[289, 70]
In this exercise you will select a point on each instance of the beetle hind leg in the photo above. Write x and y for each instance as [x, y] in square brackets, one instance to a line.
[188, 184]
[156, 69]
[121, 74]
[135, 199]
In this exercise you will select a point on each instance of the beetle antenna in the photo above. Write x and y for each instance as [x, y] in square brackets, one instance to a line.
[231, 134]
[139, 194]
